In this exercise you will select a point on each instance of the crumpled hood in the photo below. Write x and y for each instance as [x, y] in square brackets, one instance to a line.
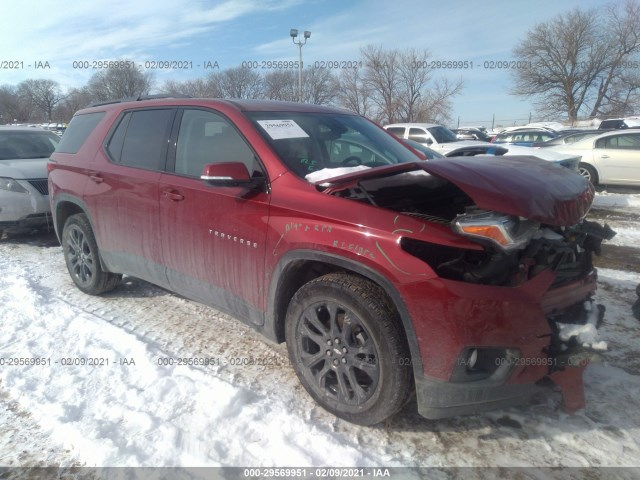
[24, 168]
[525, 186]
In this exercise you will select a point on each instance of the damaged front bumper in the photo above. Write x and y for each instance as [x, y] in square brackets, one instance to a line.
[497, 347]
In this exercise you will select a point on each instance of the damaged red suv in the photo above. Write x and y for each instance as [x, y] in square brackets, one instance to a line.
[386, 276]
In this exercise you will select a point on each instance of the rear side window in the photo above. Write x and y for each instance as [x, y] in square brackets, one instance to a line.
[77, 132]
[631, 142]
[418, 135]
[140, 139]
[397, 131]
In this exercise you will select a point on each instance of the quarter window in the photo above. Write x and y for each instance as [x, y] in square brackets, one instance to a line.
[79, 129]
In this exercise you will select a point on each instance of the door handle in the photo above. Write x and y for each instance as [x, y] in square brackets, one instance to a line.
[604, 156]
[95, 176]
[173, 195]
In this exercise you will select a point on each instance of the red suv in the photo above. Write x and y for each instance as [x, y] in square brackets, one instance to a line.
[385, 275]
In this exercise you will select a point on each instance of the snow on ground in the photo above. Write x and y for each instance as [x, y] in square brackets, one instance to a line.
[606, 199]
[137, 411]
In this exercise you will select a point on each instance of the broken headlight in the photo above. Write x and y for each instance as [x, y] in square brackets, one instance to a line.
[505, 231]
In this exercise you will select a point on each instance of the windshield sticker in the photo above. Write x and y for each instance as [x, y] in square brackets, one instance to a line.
[278, 129]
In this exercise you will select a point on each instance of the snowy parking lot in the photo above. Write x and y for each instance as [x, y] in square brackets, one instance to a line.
[142, 377]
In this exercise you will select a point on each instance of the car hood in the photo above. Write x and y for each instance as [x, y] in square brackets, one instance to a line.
[24, 168]
[511, 150]
[523, 186]
[448, 146]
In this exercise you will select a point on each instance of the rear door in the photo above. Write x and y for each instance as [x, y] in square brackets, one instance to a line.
[213, 238]
[618, 158]
[123, 191]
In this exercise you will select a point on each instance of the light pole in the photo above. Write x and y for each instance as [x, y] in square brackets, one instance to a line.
[294, 34]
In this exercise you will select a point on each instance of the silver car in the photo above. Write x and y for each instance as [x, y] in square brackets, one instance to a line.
[24, 192]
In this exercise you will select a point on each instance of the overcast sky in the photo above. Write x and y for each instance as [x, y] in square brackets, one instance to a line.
[235, 31]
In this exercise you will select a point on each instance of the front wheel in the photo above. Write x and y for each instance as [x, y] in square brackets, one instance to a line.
[348, 348]
[82, 258]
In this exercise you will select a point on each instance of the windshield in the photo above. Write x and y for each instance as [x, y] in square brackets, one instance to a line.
[16, 145]
[309, 142]
[442, 134]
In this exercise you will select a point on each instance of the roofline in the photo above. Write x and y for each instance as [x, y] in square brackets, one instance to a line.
[241, 105]
[414, 124]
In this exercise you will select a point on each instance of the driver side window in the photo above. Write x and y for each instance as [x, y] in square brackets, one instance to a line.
[206, 137]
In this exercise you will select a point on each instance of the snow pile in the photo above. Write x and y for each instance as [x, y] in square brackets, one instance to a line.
[587, 334]
[326, 173]
[130, 409]
[609, 200]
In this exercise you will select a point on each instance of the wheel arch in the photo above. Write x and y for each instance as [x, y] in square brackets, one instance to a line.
[66, 206]
[297, 268]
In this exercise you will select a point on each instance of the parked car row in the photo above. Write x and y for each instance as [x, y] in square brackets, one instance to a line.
[603, 156]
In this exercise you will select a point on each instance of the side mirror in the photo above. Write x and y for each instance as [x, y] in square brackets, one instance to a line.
[429, 141]
[229, 174]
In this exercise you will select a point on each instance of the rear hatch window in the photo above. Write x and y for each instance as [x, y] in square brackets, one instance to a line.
[78, 131]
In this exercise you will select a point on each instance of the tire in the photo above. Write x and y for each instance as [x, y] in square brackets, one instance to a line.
[347, 347]
[83, 259]
[588, 172]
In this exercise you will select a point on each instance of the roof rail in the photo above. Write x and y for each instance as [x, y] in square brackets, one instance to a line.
[139, 98]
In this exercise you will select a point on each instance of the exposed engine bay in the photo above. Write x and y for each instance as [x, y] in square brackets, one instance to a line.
[515, 249]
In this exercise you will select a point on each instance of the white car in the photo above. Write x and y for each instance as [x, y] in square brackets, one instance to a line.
[612, 158]
[436, 137]
[24, 191]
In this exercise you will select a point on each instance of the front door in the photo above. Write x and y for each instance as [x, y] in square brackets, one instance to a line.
[213, 238]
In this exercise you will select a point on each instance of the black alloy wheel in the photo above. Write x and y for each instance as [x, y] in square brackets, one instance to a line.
[348, 348]
[82, 257]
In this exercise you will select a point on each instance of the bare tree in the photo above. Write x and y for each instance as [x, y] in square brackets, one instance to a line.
[401, 87]
[76, 99]
[617, 84]
[116, 83]
[623, 95]
[281, 85]
[239, 82]
[198, 88]
[14, 106]
[318, 86]
[353, 92]
[382, 78]
[43, 94]
[571, 62]
[435, 105]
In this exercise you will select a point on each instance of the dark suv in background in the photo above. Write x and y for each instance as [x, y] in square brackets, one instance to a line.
[386, 276]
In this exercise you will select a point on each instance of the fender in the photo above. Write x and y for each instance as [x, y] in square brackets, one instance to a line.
[272, 326]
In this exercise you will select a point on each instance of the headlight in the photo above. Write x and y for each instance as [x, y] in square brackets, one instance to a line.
[506, 231]
[11, 185]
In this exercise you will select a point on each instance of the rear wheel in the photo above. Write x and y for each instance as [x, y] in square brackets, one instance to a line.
[82, 257]
[348, 348]
[588, 172]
